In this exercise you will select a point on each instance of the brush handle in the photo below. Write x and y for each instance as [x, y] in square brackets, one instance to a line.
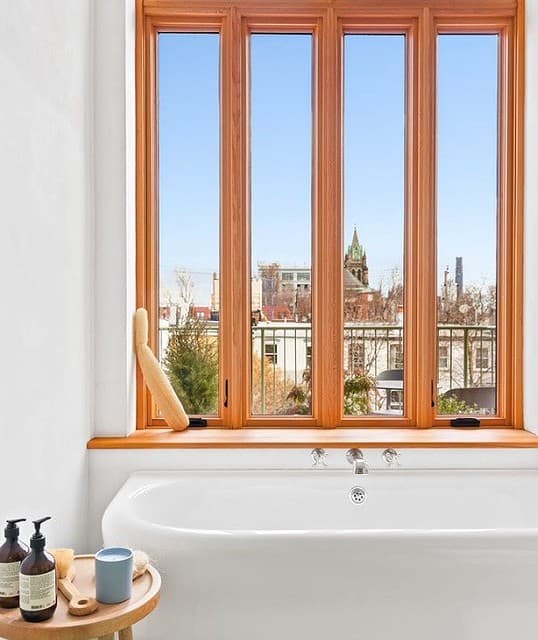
[78, 604]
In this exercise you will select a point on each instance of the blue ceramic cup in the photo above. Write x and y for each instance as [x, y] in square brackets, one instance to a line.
[113, 574]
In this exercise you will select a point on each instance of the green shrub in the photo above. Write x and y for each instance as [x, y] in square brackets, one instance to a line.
[192, 365]
[357, 389]
[449, 405]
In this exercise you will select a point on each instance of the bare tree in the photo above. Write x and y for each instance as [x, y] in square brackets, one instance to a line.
[271, 281]
[476, 306]
[185, 294]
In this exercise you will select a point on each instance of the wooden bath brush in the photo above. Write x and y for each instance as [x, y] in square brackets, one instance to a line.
[78, 604]
[162, 391]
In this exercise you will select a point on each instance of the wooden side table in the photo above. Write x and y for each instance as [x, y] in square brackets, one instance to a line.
[103, 624]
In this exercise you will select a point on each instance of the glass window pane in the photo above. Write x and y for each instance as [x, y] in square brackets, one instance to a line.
[281, 213]
[189, 190]
[467, 162]
[374, 215]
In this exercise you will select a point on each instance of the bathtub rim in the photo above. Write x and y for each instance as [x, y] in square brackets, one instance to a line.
[435, 534]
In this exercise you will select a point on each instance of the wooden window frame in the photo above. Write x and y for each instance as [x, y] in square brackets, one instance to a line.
[328, 20]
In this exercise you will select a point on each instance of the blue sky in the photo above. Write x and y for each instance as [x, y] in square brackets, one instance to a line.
[281, 120]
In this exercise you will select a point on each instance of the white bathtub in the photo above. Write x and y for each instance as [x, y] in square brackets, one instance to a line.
[278, 555]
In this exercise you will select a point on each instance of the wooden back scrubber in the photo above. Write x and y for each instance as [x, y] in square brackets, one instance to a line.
[162, 391]
[78, 604]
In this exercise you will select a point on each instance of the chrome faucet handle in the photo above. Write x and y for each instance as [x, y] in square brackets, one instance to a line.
[391, 457]
[319, 457]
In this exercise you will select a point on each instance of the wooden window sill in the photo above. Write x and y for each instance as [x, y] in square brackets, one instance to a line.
[277, 438]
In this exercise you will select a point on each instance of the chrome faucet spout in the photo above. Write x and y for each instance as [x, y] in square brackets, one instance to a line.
[360, 467]
[355, 458]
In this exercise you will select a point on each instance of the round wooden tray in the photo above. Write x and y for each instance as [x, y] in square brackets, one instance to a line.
[108, 618]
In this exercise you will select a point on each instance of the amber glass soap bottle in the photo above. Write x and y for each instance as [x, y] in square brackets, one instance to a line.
[12, 553]
[38, 579]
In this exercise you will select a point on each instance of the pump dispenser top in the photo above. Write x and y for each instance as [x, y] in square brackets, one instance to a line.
[38, 579]
[12, 553]
[12, 530]
[38, 540]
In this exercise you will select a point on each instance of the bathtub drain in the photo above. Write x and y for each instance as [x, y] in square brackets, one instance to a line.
[357, 495]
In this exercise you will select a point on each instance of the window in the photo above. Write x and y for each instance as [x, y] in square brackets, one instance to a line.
[395, 400]
[189, 186]
[396, 356]
[467, 199]
[443, 357]
[280, 99]
[355, 358]
[300, 168]
[374, 212]
[308, 357]
[271, 353]
[482, 358]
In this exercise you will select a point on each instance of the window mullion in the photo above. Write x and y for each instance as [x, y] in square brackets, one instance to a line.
[328, 336]
[233, 248]
[423, 286]
[411, 253]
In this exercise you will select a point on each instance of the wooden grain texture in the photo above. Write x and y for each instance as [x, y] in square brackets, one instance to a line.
[141, 276]
[328, 354]
[424, 296]
[108, 619]
[229, 289]
[518, 178]
[78, 604]
[276, 438]
[382, 7]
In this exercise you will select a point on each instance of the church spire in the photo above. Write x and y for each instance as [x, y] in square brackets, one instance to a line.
[355, 260]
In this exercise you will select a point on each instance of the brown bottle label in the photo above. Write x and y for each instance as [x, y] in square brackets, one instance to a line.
[38, 592]
[9, 579]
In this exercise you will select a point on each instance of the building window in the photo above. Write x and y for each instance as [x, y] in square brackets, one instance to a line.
[276, 145]
[396, 356]
[308, 357]
[270, 351]
[395, 400]
[482, 358]
[443, 357]
[355, 357]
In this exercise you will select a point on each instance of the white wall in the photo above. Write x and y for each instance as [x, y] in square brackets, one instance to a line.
[46, 246]
[115, 216]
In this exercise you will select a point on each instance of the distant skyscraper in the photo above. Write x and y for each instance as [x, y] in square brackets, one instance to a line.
[459, 277]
